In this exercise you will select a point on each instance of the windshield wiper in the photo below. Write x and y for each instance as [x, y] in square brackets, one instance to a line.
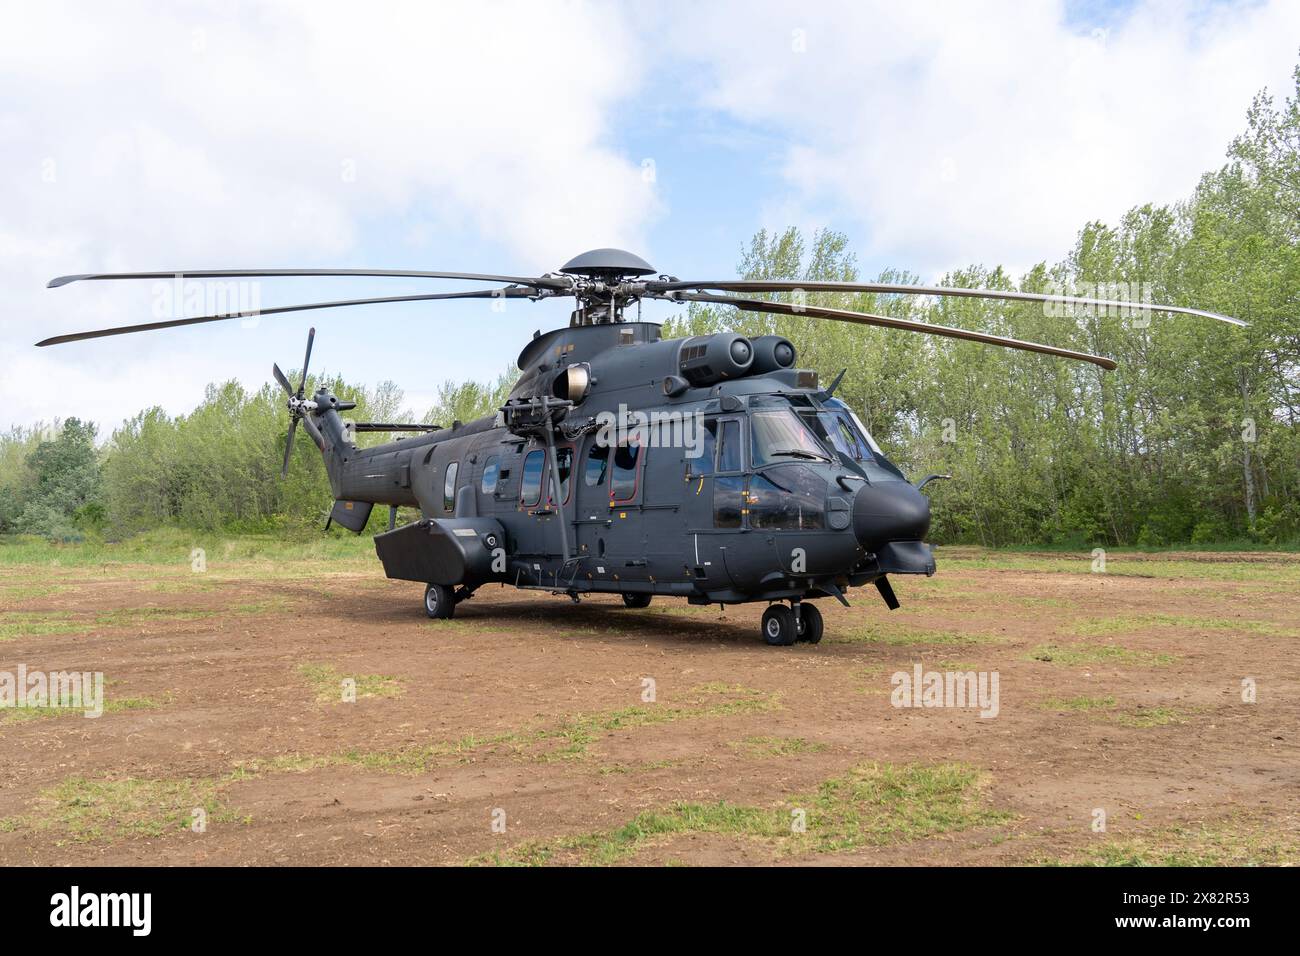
[798, 453]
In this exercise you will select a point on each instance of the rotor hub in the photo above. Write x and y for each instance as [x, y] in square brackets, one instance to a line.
[607, 264]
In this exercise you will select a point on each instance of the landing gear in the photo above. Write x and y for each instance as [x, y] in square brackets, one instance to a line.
[778, 626]
[810, 623]
[636, 600]
[439, 602]
[783, 626]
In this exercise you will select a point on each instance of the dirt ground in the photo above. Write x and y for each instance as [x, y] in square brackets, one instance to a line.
[1147, 714]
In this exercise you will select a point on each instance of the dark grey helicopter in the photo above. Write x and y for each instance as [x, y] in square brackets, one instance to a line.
[709, 468]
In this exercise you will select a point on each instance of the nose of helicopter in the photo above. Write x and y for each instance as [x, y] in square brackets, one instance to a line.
[890, 511]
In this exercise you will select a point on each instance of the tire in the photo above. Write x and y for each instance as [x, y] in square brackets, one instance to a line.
[778, 626]
[810, 623]
[439, 602]
[636, 600]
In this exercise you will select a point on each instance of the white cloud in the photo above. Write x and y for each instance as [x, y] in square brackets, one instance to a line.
[205, 135]
[491, 137]
[989, 132]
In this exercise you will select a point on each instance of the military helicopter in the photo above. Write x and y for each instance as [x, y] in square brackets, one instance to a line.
[709, 468]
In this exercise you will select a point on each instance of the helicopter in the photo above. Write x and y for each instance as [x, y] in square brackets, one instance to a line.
[710, 468]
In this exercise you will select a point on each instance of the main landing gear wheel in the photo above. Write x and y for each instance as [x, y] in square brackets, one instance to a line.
[778, 626]
[810, 623]
[439, 602]
[636, 600]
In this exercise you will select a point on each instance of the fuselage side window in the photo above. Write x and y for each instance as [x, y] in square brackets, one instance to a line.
[530, 489]
[597, 465]
[449, 487]
[729, 451]
[622, 486]
[564, 462]
[707, 438]
[491, 475]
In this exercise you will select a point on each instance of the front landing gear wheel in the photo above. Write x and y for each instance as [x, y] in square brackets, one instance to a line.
[778, 626]
[810, 623]
[636, 600]
[439, 602]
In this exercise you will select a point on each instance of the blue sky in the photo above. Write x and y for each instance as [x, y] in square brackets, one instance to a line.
[510, 137]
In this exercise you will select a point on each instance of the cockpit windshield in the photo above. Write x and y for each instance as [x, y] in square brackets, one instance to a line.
[781, 435]
[836, 429]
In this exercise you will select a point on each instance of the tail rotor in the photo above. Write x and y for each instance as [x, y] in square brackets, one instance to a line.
[298, 405]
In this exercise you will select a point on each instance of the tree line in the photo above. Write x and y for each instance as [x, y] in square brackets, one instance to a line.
[1193, 439]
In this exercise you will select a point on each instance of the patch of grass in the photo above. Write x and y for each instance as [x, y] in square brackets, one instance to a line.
[328, 684]
[39, 624]
[776, 746]
[140, 616]
[1223, 844]
[873, 804]
[901, 637]
[1123, 623]
[1150, 717]
[85, 810]
[174, 546]
[575, 734]
[111, 706]
[1078, 703]
[28, 592]
[1125, 563]
[623, 768]
[1073, 655]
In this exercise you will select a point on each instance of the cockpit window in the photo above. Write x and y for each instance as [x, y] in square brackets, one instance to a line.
[777, 436]
[837, 430]
[848, 413]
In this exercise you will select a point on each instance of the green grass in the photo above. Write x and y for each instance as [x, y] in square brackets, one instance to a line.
[1124, 623]
[1140, 717]
[1126, 564]
[895, 636]
[1150, 717]
[776, 746]
[14, 624]
[111, 706]
[84, 810]
[173, 546]
[1078, 704]
[871, 805]
[1075, 655]
[574, 736]
[328, 683]
[1222, 844]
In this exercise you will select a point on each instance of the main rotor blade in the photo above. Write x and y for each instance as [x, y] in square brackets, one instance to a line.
[764, 285]
[288, 448]
[509, 292]
[544, 282]
[306, 360]
[281, 378]
[386, 427]
[866, 318]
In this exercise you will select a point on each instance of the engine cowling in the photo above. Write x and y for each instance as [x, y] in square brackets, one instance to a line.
[709, 359]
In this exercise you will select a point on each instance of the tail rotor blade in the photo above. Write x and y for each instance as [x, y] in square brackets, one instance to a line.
[306, 360]
[282, 379]
[288, 449]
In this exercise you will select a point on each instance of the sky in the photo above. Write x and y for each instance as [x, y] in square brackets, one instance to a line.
[509, 137]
